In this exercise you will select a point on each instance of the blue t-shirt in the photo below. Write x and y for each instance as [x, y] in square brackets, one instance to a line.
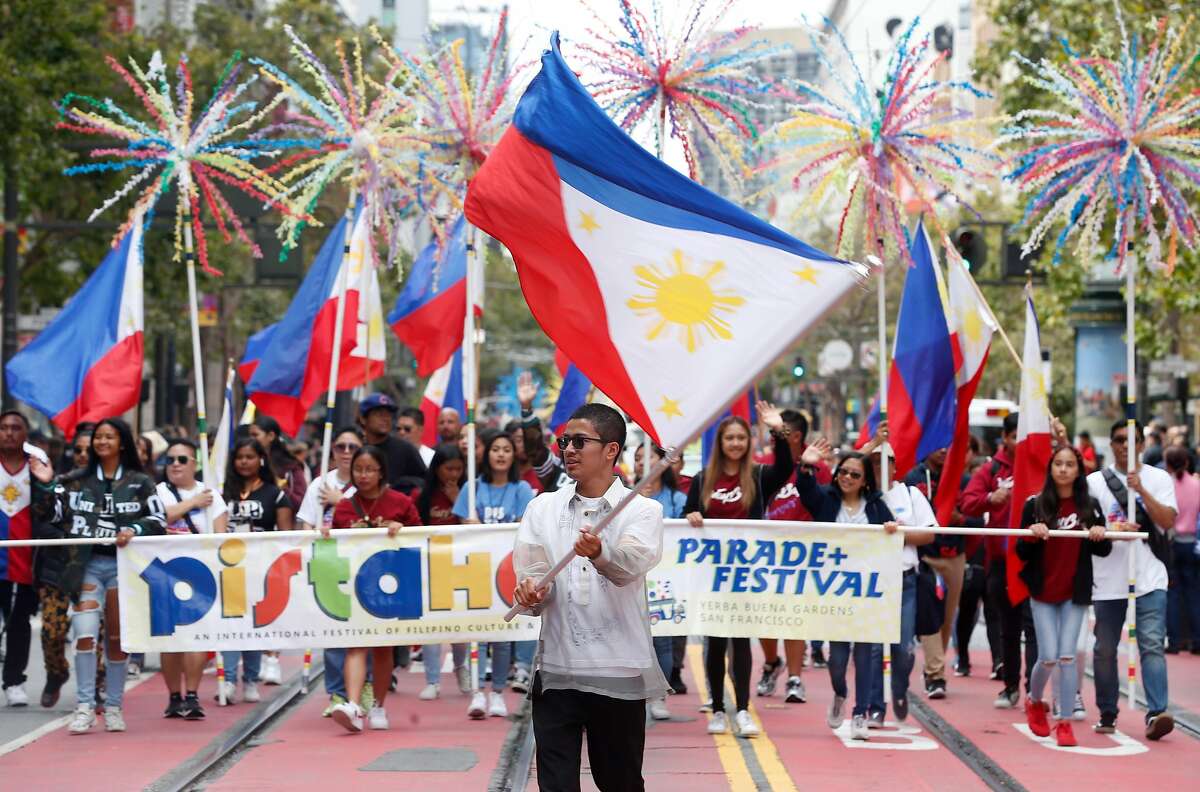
[496, 503]
[672, 502]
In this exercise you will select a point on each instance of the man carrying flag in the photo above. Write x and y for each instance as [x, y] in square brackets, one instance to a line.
[631, 269]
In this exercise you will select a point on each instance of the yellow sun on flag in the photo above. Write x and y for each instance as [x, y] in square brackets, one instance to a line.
[684, 300]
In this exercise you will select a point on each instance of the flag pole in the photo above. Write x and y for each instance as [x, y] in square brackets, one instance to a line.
[660, 140]
[339, 329]
[470, 373]
[881, 310]
[217, 480]
[197, 359]
[1130, 469]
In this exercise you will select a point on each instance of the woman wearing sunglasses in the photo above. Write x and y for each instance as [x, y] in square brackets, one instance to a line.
[192, 508]
[500, 497]
[316, 511]
[853, 498]
[732, 487]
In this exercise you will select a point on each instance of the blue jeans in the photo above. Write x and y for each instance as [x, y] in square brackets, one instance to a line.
[1057, 626]
[1151, 628]
[99, 577]
[523, 652]
[903, 656]
[431, 656]
[663, 651]
[1183, 599]
[501, 661]
[839, 659]
[251, 663]
[335, 678]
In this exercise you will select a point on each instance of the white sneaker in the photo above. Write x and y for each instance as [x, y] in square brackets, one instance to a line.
[658, 709]
[718, 724]
[377, 719]
[83, 720]
[16, 696]
[796, 694]
[478, 708]
[520, 682]
[836, 715]
[1080, 711]
[745, 725]
[429, 692]
[859, 729]
[114, 721]
[250, 693]
[348, 716]
[271, 673]
[462, 675]
[230, 693]
[496, 706]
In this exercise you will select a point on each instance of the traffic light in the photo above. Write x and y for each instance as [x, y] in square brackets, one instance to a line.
[970, 244]
[798, 368]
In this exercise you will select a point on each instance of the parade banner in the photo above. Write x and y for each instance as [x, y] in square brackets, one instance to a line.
[293, 590]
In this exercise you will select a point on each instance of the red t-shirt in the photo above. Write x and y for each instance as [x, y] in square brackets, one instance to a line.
[786, 505]
[1061, 557]
[391, 505]
[441, 509]
[535, 483]
[726, 500]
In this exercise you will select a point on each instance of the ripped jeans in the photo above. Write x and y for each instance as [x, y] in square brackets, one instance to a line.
[1057, 625]
[99, 577]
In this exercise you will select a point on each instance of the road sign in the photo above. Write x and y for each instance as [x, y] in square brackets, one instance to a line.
[1174, 365]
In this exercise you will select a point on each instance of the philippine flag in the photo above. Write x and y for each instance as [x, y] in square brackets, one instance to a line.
[444, 389]
[972, 326]
[293, 370]
[668, 297]
[222, 442]
[256, 347]
[572, 395]
[87, 363]
[1033, 442]
[428, 315]
[742, 407]
[921, 390]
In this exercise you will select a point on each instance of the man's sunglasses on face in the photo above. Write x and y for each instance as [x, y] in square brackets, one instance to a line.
[576, 441]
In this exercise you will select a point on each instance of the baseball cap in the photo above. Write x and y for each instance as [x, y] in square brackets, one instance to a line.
[376, 400]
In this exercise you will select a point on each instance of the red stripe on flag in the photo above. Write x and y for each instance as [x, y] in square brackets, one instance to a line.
[956, 457]
[111, 386]
[904, 428]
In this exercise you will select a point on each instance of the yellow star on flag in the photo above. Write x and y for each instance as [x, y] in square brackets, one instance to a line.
[809, 273]
[670, 408]
[587, 222]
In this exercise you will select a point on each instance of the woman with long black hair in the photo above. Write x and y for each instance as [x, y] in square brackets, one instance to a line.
[733, 487]
[256, 503]
[290, 473]
[1058, 572]
[853, 498]
[114, 499]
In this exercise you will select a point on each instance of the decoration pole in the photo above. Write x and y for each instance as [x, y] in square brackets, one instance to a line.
[470, 396]
[339, 323]
[1131, 468]
[885, 480]
[197, 358]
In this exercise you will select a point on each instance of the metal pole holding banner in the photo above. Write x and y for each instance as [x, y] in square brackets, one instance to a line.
[1130, 469]
[339, 330]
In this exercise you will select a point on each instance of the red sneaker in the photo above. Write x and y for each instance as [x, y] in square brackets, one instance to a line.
[1035, 714]
[1064, 734]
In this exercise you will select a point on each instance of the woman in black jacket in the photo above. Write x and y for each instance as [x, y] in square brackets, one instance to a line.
[114, 500]
[1058, 572]
[853, 498]
[733, 487]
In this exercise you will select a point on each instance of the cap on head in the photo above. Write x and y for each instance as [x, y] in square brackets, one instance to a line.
[375, 401]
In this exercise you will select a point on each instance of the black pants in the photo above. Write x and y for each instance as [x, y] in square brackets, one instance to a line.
[18, 609]
[974, 592]
[714, 669]
[1014, 620]
[616, 739]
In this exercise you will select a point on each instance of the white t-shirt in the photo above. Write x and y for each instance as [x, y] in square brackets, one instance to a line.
[426, 454]
[203, 519]
[857, 517]
[311, 511]
[909, 507]
[1110, 574]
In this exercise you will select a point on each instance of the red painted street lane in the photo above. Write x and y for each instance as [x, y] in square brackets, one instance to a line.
[151, 747]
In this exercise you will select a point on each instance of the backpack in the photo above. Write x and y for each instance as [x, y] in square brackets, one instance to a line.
[1160, 541]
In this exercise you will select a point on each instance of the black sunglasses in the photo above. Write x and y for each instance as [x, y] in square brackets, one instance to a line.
[576, 441]
[179, 460]
[344, 447]
[853, 474]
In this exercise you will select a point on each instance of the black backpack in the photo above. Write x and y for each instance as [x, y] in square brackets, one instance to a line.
[1160, 541]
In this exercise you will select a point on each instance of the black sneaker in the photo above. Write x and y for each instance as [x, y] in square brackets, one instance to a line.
[677, 685]
[1159, 725]
[1107, 724]
[962, 669]
[936, 688]
[174, 707]
[900, 708]
[818, 658]
[997, 672]
[191, 708]
[52, 689]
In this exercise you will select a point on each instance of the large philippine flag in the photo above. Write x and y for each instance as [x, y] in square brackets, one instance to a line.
[87, 364]
[1033, 442]
[294, 368]
[428, 315]
[668, 297]
[971, 326]
[572, 395]
[444, 389]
